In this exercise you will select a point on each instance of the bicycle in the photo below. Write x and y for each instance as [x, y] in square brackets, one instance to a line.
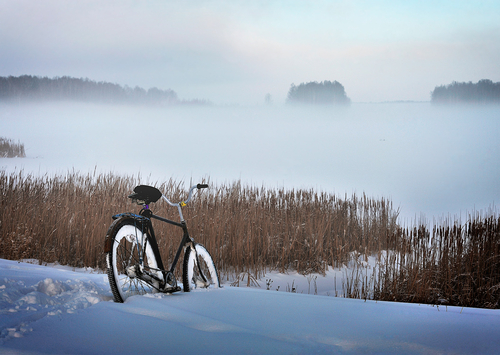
[134, 264]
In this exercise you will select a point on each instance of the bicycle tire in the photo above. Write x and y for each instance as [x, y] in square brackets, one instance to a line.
[191, 278]
[127, 242]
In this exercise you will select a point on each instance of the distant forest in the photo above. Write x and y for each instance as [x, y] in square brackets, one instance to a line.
[484, 91]
[315, 93]
[34, 88]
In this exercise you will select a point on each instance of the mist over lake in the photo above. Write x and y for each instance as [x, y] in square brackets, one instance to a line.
[432, 161]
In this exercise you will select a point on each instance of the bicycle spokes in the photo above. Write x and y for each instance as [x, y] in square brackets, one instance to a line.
[134, 272]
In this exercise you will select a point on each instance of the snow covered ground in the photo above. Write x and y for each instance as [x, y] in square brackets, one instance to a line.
[58, 310]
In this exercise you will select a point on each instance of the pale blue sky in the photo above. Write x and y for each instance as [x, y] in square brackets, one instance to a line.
[237, 51]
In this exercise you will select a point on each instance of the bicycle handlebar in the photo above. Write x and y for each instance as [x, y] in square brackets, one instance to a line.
[183, 203]
[197, 186]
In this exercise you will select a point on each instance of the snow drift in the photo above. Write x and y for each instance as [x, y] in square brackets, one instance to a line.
[58, 310]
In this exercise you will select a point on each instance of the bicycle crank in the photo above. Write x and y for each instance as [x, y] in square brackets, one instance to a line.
[136, 271]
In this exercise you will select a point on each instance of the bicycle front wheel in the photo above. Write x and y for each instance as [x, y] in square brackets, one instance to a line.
[132, 264]
[200, 273]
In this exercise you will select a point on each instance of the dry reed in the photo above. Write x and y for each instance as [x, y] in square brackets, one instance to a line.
[249, 230]
[10, 149]
[455, 264]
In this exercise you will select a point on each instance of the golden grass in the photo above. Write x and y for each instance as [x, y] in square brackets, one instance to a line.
[249, 230]
[457, 264]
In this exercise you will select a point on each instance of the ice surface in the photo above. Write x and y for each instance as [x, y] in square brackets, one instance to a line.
[428, 160]
[53, 310]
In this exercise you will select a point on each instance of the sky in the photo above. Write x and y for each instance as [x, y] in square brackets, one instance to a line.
[236, 52]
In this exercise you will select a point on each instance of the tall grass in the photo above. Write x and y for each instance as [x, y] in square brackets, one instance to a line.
[10, 149]
[455, 264]
[249, 230]
[58, 218]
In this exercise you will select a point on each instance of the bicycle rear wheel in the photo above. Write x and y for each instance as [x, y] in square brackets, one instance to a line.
[132, 264]
[203, 276]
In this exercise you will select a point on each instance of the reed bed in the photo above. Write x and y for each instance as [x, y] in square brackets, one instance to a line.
[11, 149]
[247, 229]
[455, 264]
[250, 230]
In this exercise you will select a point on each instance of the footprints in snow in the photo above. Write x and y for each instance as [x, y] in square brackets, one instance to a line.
[20, 304]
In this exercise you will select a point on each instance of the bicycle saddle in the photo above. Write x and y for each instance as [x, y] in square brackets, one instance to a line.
[144, 195]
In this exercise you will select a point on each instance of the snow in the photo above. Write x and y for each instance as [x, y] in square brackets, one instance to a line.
[59, 310]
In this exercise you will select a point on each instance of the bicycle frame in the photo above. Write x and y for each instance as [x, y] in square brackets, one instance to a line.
[186, 239]
[144, 219]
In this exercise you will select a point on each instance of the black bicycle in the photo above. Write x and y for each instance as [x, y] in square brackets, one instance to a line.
[134, 264]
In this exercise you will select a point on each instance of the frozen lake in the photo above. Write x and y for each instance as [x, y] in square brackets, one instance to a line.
[430, 161]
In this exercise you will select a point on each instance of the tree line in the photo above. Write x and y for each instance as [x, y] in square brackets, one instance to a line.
[323, 93]
[484, 91]
[327, 92]
[32, 88]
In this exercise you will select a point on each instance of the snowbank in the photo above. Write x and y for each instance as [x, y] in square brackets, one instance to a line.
[56, 310]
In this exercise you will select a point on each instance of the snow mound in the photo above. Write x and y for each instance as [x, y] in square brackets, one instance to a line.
[53, 310]
[28, 300]
[51, 287]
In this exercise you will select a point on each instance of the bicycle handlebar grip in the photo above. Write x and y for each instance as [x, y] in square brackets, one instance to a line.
[202, 186]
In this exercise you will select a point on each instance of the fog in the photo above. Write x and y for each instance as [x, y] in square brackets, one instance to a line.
[238, 51]
[431, 162]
